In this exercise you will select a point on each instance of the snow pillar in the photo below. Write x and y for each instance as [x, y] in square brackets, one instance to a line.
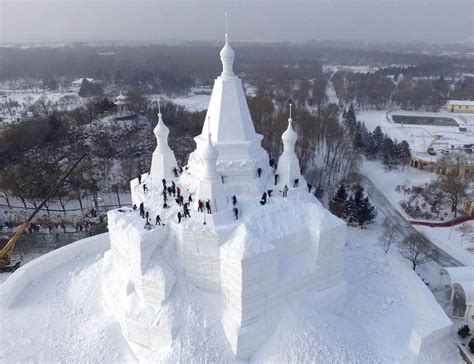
[288, 164]
[163, 159]
[210, 183]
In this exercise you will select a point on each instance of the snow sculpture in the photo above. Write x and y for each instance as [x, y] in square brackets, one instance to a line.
[231, 127]
[210, 184]
[255, 253]
[288, 169]
[163, 160]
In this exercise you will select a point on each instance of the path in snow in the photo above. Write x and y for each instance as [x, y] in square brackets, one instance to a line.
[404, 227]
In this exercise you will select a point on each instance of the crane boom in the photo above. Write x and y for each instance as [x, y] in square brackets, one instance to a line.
[6, 250]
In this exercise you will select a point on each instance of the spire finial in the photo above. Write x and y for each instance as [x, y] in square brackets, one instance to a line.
[159, 108]
[226, 26]
[209, 127]
[291, 104]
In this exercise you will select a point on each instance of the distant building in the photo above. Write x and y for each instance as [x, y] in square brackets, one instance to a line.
[429, 163]
[468, 205]
[460, 106]
[121, 103]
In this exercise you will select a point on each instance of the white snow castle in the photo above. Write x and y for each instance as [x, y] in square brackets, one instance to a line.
[253, 254]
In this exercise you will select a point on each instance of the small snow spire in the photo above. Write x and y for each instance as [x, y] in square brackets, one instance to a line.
[159, 108]
[289, 137]
[161, 132]
[227, 54]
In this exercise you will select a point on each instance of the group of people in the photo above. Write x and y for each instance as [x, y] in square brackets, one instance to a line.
[175, 191]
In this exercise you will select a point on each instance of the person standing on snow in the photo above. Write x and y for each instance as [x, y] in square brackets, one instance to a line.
[142, 210]
[234, 200]
[208, 207]
[295, 184]
[236, 212]
[276, 179]
[186, 210]
[139, 179]
[179, 217]
[259, 172]
[200, 206]
[158, 220]
[285, 191]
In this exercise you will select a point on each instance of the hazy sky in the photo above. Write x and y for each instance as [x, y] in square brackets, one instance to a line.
[264, 20]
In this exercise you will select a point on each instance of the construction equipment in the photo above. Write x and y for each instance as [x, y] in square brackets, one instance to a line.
[6, 263]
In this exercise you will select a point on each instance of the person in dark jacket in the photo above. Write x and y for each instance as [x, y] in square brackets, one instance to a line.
[259, 172]
[139, 179]
[179, 217]
[263, 201]
[236, 212]
[276, 179]
[142, 210]
[158, 220]
[295, 184]
[234, 200]
[200, 206]
[186, 210]
[208, 207]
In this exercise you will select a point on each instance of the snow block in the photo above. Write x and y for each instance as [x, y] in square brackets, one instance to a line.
[433, 325]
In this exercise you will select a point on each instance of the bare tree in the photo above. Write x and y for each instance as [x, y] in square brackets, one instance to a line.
[416, 251]
[389, 236]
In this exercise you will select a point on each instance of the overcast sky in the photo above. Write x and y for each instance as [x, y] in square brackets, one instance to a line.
[264, 20]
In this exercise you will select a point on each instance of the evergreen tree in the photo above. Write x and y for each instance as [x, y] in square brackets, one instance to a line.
[89, 89]
[349, 208]
[337, 204]
[404, 153]
[365, 212]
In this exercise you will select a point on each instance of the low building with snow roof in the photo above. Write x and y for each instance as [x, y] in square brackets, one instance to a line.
[460, 106]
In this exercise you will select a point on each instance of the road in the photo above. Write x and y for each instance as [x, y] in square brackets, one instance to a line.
[404, 227]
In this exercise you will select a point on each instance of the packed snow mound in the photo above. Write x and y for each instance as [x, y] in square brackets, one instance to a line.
[71, 325]
[306, 335]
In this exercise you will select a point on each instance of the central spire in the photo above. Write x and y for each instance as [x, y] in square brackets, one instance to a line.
[227, 55]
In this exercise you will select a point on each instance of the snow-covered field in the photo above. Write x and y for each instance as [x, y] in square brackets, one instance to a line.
[70, 324]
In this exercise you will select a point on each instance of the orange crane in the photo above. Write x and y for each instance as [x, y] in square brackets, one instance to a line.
[6, 263]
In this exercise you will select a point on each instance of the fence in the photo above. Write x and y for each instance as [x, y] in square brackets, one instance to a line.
[457, 221]
[44, 243]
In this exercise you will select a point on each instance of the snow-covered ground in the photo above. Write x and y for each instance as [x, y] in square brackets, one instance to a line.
[457, 242]
[193, 102]
[70, 323]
